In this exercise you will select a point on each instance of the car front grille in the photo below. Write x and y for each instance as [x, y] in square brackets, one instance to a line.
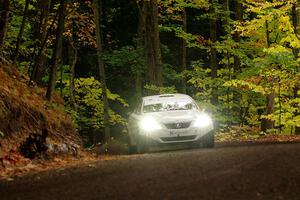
[179, 138]
[179, 125]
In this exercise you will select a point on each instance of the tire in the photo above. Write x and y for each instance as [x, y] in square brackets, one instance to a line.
[209, 140]
[142, 145]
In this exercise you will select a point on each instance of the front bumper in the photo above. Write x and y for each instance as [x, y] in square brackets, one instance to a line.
[169, 136]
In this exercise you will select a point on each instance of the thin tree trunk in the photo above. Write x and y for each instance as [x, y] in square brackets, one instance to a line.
[184, 52]
[21, 32]
[213, 51]
[72, 52]
[97, 6]
[229, 121]
[226, 27]
[226, 16]
[267, 123]
[238, 17]
[61, 76]
[56, 51]
[140, 44]
[268, 34]
[236, 60]
[38, 67]
[280, 105]
[296, 23]
[270, 99]
[61, 68]
[138, 86]
[4, 15]
[152, 44]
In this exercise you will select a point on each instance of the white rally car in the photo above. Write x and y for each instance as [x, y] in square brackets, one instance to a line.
[168, 119]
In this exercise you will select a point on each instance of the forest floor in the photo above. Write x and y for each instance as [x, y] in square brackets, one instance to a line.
[30, 126]
[242, 172]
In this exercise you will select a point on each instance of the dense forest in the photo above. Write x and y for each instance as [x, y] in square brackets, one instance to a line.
[238, 58]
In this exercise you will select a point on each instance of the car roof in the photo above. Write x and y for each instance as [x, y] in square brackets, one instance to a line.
[166, 97]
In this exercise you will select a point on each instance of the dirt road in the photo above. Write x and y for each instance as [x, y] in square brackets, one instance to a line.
[246, 172]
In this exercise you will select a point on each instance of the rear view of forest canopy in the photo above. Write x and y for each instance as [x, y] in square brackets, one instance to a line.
[238, 58]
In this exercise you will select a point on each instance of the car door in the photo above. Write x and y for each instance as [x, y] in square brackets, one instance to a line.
[133, 123]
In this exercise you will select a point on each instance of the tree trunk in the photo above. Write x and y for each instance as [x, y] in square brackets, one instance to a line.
[270, 99]
[184, 53]
[267, 123]
[61, 68]
[238, 17]
[226, 27]
[138, 86]
[296, 23]
[140, 45]
[56, 51]
[226, 16]
[229, 114]
[236, 61]
[152, 43]
[97, 7]
[39, 66]
[213, 51]
[72, 52]
[21, 32]
[4, 9]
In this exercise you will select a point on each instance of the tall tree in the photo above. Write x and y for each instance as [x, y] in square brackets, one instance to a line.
[236, 59]
[97, 7]
[213, 51]
[4, 13]
[226, 26]
[296, 51]
[72, 56]
[226, 17]
[270, 99]
[21, 32]
[140, 45]
[152, 43]
[184, 50]
[41, 33]
[57, 50]
[239, 18]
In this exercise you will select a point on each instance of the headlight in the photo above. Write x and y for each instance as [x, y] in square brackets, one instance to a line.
[149, 124]
[203, 120]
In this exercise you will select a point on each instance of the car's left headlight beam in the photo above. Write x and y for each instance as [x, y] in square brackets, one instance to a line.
[149, 124]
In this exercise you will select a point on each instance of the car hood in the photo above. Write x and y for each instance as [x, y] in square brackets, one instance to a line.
[175, 116]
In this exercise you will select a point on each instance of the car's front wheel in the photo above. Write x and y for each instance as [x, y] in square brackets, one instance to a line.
[208, 141]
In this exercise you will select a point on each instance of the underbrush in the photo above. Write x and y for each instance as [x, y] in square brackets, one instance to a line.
[246, 133]
[24, 112]
[113, 147]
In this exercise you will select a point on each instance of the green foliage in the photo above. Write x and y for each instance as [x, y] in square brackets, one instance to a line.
[160, 90]
[88, 98]
[242, 95]
[13, 30]
[248, 68]
[127, 57]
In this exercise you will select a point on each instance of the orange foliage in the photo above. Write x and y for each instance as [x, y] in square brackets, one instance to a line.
[24, 111]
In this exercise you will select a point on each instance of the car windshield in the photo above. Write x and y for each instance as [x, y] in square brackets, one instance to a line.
[168, 106]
